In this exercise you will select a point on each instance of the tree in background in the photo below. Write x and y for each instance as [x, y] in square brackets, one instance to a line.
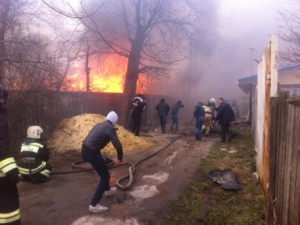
[154, 35]
[290, 32]
[32, 61]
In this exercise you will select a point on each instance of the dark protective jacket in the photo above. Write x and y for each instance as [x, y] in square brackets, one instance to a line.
[34, 148]
[176, 107]
[33, 156]
[162, 109]
[199, 112]
[9, 176]
[100, 135]
[211, 105]
[225, 114]
[137, 107]
[8, 166]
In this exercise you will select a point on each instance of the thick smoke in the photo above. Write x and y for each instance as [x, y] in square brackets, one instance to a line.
[235, 39]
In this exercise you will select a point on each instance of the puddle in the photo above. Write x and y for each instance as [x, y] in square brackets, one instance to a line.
[156, 178]
[149, 190]
[143, 192]
[95, 219]
[170, 158]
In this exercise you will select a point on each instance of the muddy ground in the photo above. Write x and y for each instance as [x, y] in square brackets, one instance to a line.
[65, 198]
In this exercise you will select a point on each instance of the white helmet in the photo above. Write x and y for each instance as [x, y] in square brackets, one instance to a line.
[212, 100]
[34, 132]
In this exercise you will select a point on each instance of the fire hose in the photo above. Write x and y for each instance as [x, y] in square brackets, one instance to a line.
[112, 165]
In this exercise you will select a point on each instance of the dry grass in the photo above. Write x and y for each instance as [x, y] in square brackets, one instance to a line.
[226, 207]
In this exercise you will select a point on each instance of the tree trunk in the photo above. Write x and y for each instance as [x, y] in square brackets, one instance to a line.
[4, 8]
[131, 78]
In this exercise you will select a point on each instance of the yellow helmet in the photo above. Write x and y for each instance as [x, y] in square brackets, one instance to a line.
[34, 132]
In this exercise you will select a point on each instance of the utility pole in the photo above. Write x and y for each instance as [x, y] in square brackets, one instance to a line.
[251, 55]
[250, 87]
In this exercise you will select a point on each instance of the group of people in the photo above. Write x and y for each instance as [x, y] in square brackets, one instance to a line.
[205, 118]
[204, 115]
[138, 105]
[32, 164]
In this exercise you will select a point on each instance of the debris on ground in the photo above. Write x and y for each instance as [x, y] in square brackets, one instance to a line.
[226, 178]
[70, 133]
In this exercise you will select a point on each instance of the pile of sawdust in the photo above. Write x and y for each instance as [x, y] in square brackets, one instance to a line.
[71, 132]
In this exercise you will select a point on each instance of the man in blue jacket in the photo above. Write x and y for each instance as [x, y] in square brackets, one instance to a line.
[199, 115]
[100, 135]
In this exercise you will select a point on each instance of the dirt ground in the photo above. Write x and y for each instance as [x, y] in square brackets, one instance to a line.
[65, 198]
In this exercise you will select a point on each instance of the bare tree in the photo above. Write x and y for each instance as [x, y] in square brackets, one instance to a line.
[290, 32]
[32, 62]
[153, 35]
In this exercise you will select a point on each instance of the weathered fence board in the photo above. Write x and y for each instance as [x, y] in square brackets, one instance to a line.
[285, 166]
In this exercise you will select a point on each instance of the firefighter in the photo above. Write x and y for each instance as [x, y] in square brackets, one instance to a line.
[212, 105]
[138, 105]
[208, 119]
[9, 174]
[33, 157]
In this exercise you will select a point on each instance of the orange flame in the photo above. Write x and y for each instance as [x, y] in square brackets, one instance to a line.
[109, 77]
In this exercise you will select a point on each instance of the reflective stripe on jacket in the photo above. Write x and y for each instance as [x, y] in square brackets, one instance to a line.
[28, 171]
[7, 165]
[9, 217]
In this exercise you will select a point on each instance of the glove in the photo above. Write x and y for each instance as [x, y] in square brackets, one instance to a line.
[13, 176]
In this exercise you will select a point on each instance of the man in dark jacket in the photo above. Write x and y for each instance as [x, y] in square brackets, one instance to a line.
[138, 105]
[199, 115]
[9, 174]
[174, 113]
[33, 157]
[100, 135]
[225, 116]
[162, 112]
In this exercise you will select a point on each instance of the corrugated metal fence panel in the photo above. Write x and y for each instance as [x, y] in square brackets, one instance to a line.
[48, 108]
[267, 86]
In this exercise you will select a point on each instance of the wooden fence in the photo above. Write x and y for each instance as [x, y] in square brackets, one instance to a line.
[285, 160]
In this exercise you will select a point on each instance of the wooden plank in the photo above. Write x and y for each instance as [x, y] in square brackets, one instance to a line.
[295, 192]
[280, 161]
[273, 154]
[203, 212]
[287, 169]
[291, 149]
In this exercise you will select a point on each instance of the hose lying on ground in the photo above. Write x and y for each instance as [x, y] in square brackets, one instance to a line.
[131, 168]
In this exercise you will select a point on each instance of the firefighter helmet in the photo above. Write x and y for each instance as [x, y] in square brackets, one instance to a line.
[212, 100]
[3, 94]
[34, 132]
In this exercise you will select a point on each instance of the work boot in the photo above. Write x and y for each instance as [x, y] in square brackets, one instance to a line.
[171, 127]
[97, 209]
[111, 192]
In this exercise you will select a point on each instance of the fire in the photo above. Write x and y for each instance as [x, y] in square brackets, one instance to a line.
[112, 84]
[107, 77]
